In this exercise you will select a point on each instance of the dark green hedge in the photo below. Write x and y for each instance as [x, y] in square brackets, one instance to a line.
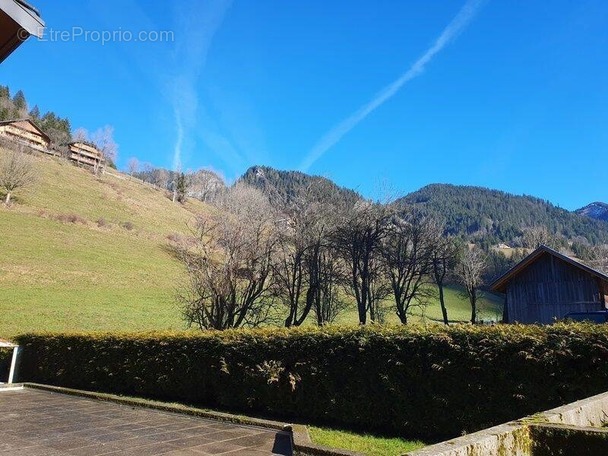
[430, 383]
[6, 355]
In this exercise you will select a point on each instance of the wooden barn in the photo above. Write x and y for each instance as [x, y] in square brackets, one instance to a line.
[24, 131]
[547, 285]
[86, 154]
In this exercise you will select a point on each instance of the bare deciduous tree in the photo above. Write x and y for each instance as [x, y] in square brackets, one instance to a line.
[80, 135]
[161, 178]
[407, 252]
[535, 236]
[329, 303]
[133, 166]
[103, 138]
[470, 272]
[289, 270]
[229, 265]
[599, 258]
[16, 172]
[358, 238]
[304, 271]
[443, 260]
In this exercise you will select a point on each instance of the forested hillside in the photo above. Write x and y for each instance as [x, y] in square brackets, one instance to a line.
[284, 187]
[491, 216]
[597, 210]
[476, 214]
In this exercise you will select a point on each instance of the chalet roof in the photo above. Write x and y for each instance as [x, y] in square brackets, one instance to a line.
[500, 284]
[84, 143]
[18, 20]
[31, 122]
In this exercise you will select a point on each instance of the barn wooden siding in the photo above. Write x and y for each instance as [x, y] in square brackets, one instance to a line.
[549, 289]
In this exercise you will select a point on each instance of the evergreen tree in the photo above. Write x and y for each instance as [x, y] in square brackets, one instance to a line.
[35, 113]
[58, 129]
[181, 187]
[19, 102]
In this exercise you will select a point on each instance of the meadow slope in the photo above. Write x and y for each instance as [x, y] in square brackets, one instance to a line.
[80, 252]
[84, 253]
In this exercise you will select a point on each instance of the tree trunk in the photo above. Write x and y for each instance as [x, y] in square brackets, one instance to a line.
[362, 315]
[403, 317]
[7, 201]
[363, 310]
[473, 306]
[444, 310]
[290, 318]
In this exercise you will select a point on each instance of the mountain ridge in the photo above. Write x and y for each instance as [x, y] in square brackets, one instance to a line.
[477, 214]
[596, 210]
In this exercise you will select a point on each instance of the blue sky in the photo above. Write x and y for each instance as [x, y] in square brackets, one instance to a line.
[508, 95]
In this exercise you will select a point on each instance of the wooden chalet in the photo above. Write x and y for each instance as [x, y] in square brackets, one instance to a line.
[547, 285]
[85, 154]
[26, 132]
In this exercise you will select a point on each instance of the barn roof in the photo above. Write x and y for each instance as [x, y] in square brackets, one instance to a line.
[500, 284]
[31, 122]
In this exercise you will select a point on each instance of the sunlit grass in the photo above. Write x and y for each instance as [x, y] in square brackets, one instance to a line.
[84, 253]
[363, 443]
[96, 272]
[457, 304]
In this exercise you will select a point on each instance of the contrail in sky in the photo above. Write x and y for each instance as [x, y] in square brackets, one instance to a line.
[177, 148]
[458, 24]
[197, 23]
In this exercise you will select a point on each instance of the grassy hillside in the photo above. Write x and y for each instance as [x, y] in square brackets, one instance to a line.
[459, 310]
[85, 253]
[82, 253]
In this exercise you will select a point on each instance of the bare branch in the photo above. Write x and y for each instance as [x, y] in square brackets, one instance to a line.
[16, 172]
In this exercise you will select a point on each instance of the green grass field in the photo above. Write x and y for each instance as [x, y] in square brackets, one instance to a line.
[363, 443]
[459, 310]
[86, 253]
[83, 253]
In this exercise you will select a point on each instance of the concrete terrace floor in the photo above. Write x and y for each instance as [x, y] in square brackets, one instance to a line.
[41, 423]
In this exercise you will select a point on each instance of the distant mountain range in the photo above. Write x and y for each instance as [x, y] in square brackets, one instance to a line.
[597, 210]
[482, 214]
[477, 214]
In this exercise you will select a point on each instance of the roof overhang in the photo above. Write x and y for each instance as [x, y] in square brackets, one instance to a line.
[18, 21]
[32, 123]
[500, 284]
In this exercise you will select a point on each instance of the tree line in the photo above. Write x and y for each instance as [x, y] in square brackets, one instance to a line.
[202, 184]
[250, 262]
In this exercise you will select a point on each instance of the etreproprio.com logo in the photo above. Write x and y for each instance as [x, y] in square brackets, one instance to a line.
[100, 36]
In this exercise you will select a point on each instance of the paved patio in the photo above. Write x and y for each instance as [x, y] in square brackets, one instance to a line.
[41, 423]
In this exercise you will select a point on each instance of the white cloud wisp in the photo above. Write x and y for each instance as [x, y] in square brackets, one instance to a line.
[198, 23]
